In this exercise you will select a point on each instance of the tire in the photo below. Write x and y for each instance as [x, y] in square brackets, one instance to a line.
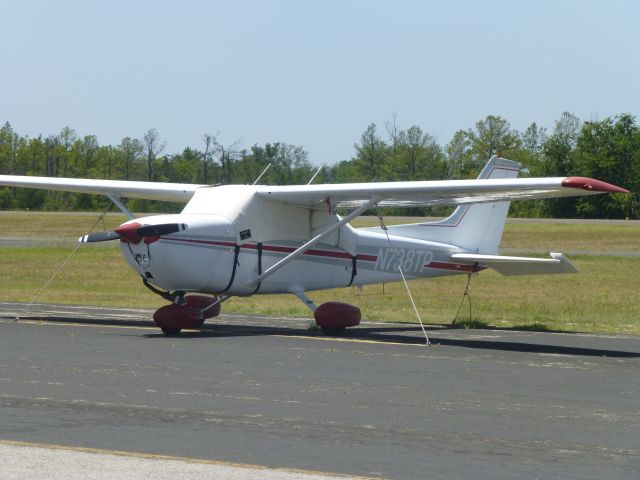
[170, 332]
[334, 331]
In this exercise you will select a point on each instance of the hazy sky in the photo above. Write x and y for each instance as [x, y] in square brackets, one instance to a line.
[311, 73]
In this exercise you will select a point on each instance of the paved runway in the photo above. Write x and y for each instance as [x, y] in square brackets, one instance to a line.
[265, 391]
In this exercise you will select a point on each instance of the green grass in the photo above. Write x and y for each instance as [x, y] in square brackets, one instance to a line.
[558, 237]
[469, 323]
[601, 298]
[598, 237]
[55, 225]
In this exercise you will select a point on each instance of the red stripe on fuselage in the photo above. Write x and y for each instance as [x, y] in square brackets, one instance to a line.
[458, 267]
[201, 242]
[279, 249]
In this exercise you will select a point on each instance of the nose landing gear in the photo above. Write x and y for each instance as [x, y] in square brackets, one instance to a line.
[189, 312]
[185, 311]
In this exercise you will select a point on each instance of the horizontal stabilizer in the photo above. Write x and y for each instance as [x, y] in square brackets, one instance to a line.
[558, 263]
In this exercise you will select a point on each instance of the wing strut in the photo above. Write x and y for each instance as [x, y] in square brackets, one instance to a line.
[118, 203]
[300, 250]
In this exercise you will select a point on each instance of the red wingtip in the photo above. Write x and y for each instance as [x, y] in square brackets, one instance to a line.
[591, 184]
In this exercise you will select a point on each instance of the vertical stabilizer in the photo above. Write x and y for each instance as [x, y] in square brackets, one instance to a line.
[476, 228]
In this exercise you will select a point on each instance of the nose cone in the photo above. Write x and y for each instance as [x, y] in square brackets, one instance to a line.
[129, 232]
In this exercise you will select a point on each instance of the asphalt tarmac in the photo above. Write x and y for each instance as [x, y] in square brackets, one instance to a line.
[483, 404]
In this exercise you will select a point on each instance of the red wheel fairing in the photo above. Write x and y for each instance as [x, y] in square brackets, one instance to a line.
[337, 315]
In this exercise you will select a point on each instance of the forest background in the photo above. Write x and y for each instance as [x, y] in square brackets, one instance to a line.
[606, 149]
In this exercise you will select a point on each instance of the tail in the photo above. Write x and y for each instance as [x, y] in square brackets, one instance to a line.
[476, 228]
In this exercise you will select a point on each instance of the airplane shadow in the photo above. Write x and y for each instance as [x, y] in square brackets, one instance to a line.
[409, 335]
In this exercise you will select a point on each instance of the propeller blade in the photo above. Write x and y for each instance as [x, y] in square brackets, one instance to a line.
[159, 230]
[133, 232]
[99, 237]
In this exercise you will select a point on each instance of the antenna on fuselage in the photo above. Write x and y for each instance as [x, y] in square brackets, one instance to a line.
[315, 174]
[260, 176]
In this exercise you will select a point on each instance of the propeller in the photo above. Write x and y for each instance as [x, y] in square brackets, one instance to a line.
[99, 237]
[159, 230]
[134, 233]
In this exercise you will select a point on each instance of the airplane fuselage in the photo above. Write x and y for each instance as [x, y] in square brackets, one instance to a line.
[207, 257]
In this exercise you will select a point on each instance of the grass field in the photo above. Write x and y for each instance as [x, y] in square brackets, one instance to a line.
[601, 298]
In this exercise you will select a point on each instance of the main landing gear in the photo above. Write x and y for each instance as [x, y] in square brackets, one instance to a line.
[333, 318]
[191, 310]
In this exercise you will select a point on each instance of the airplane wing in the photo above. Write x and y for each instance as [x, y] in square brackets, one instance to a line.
[350, 195]
[441, 192]
[170, 192]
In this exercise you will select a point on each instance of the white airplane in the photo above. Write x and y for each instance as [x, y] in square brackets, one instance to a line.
[242, 240]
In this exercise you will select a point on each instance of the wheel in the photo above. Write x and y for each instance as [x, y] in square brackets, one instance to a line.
[170, 331]
[335, 331]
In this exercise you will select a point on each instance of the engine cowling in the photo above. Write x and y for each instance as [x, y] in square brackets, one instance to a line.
[173, 318]
[337, 316]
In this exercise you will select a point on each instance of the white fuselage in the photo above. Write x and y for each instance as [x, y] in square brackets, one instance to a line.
[210, 256]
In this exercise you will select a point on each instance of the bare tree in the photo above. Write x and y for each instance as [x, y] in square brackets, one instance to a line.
[152, 147]
[208, 145]
[394, 133]
[226, 154]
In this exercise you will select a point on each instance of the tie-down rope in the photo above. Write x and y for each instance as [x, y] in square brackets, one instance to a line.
[406, 284]
[57, 272]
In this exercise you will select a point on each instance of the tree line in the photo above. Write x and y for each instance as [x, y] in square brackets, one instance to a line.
[606, 149]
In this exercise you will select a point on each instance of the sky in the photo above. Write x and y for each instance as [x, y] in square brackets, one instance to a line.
[311, 73]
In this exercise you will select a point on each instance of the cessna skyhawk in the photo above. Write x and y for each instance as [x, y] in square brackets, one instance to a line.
[242, 240]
